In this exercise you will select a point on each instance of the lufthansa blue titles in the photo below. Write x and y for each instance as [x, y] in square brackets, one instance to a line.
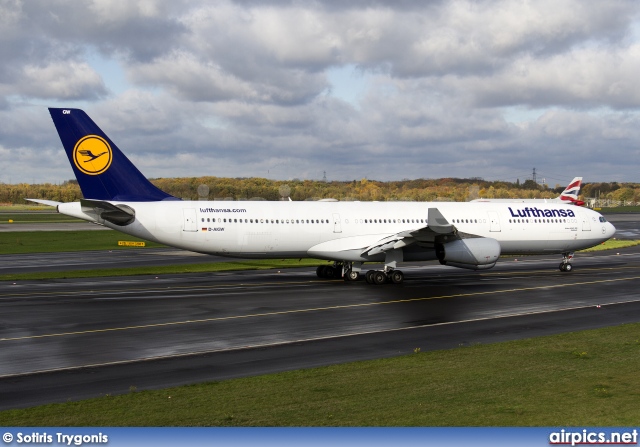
[537, 212]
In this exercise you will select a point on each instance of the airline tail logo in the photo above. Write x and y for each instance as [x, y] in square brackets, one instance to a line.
[571, 192]
[92, 155]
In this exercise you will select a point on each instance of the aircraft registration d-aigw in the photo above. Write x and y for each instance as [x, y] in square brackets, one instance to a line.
[466, 235]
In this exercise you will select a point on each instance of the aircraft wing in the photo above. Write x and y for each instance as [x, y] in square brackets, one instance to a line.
[437, 229]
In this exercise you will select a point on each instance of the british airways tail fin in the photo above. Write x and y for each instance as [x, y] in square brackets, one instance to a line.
[571, 192]
[102, 170]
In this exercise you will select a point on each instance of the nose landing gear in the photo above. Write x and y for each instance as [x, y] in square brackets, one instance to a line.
[565, 265]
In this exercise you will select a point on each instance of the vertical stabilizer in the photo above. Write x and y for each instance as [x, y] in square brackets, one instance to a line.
[102, 170]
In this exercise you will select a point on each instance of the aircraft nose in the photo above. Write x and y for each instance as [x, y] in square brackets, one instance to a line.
[610, 230]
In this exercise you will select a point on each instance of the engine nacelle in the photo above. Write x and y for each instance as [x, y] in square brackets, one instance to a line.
[476, 254]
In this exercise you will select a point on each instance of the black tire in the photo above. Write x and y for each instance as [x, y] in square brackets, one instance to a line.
[350, 275]
[379, 277]
[397, 277]
[320, 271]
[329, 272]
[568, 267]
[562, 265]
[369, 276]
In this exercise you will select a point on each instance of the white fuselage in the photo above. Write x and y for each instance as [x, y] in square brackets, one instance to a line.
[341, 230]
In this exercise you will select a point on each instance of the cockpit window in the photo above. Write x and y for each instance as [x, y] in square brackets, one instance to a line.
[602, 219]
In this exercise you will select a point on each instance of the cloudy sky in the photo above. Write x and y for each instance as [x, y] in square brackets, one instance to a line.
[383, 90]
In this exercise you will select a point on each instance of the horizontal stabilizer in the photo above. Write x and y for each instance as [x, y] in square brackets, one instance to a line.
[45, 202]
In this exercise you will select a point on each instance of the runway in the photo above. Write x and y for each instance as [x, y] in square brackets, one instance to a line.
[74, 339]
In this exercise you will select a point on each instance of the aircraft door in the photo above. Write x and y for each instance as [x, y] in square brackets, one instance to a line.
[190, 222]
[494, 221]
[337, 227]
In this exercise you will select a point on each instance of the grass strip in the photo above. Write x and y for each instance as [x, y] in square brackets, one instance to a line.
[17, 219]
[261, 264]
[57, 241]
[612, 244]
[587, 378]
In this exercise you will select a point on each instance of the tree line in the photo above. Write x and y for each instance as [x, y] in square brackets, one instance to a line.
[444, 189]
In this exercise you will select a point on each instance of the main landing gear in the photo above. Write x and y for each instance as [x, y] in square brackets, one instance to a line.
[347, 270]
[350, 271]
[565, 265]
[384, 276]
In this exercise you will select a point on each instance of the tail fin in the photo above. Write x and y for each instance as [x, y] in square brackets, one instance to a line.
[571, 192]
[102, 170]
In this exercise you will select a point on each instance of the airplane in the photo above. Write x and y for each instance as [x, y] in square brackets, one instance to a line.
[569, 196]
[465, 235]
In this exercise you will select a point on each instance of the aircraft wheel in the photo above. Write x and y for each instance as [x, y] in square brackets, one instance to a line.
[379, 277]
[568, 267]
[320, 271]
[350, 275]
[397, 277]
[329, 272]
[369, 276]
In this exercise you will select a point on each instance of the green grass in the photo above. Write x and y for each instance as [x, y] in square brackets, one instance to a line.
[17, 218]
[56, 241]
[619, 209]
[612, 244]
[208, 267]
[587, 378]
[32, 207]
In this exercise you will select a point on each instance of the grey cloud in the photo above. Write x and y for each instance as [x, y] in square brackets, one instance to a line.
[241, 88]
[140, 30]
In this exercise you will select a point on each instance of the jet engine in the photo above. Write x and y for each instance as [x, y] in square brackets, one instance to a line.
[475, 254]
